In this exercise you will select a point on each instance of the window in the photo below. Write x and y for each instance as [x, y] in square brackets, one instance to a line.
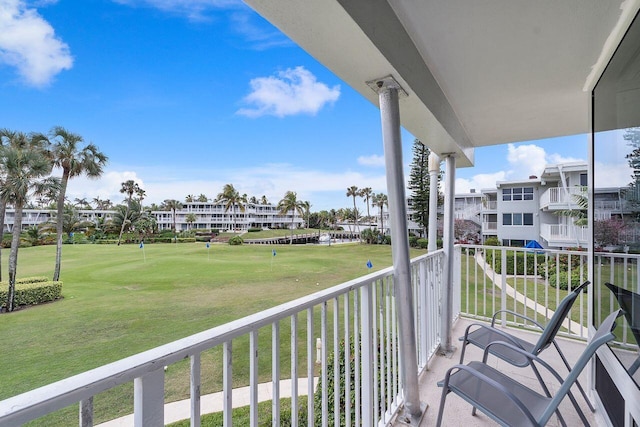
[583, 179]
[528, 193]
[517, 219]
[527, 219]
[517, 194]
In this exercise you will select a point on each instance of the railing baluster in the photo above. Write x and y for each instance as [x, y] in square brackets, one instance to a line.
[374, 345]
[195, 389]
[422, 315]
[310, 365]
[227, 383]
[356, 360]
[275, 373]
[323, 364]
[86, 412]
[294, 370]
[148, 399]
[253, 381]
[347, 361]
[367, 357]
[388, 321]
[336, 362]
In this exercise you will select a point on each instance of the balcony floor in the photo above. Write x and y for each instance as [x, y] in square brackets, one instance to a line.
[458, 412]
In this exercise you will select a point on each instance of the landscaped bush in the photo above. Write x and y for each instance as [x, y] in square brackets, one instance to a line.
[413, 241]
[423, 243]
[31, 293]
[519, 262]
[254, 229]
[236, 240]
[492, 241]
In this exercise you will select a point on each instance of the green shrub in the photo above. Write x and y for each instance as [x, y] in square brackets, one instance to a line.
[32, 293]
[254, 230]
[492, 241]
[423, 243]
[236, 240]
[413, 241]
[519, 262]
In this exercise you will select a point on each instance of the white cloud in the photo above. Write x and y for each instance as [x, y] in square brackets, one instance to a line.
[479, 182]
[293, 91]
[29, 43]
[526, 160]
[106, 187]
[372, 160]
[259, 35]
[326, 190]
[194, 10]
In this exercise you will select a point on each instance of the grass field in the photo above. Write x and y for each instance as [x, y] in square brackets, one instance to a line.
[117, 304]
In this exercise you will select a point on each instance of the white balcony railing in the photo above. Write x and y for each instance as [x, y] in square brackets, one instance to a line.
[360, 311]
[486, 279]
[562, 234]
[561, 198]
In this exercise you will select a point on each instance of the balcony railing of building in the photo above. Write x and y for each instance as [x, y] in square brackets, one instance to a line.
[489, 205]
[561, 198]
[564, 234]
[361, 311]
[489, 226]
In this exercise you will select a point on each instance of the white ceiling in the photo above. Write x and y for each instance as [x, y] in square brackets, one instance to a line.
[478, 72]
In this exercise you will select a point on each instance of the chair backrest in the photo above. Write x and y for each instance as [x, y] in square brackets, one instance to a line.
[630, 303]
[603, 335]
[562, 311]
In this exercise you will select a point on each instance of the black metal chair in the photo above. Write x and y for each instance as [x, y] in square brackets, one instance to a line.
[481, 335]
[630, 303]
[509, 402]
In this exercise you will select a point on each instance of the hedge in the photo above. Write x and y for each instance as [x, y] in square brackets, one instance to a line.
[31, 293]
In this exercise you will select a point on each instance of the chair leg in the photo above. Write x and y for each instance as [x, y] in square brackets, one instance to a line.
[464, 347]
[442, 401]
[547, 392]
[566, 363]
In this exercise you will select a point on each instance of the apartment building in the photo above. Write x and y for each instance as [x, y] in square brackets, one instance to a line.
[206, 216]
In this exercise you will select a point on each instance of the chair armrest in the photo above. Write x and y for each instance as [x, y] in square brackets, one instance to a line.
[522, 316]
[524, 353]
[492, 383]
[500, 332]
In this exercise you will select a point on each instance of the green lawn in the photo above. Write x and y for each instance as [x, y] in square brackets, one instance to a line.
[117, 304]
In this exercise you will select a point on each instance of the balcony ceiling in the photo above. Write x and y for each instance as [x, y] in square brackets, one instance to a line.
[477, 73]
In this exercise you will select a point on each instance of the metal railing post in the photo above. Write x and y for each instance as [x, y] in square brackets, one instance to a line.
[148, 400]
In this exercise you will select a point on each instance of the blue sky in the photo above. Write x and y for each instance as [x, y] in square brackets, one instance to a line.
[185, 96]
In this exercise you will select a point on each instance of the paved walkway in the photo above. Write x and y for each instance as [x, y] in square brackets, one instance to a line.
[181, 410]
[574, 327]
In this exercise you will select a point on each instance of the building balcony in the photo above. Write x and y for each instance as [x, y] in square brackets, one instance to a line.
[558, 235]
[306, 336]
[559, 198]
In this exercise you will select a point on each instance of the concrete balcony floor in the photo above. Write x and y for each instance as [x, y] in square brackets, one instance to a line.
[458, 412]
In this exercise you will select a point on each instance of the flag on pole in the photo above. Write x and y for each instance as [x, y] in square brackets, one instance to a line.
[144, 254]
[207, 245]
[369, 264]
[141, 245]
[274, 252]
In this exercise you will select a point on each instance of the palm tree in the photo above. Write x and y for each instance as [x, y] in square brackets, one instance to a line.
[354, 192]
[82, 203]
[26, 167]
[263, 200]
[189, 198]
[230, 197]
[190, 218]
[74, 161]
[291, 203]
[380, 200]
[172, 205]
[366, 193]
[130, 188]
[71, 222]
[202, 198]
[307, 209]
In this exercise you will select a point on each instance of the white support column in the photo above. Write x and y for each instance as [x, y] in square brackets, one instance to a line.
[434, 171]
[446, 346]
[388, 90]
[148, 400]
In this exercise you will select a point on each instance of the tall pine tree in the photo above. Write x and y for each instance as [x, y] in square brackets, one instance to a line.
[419, 185]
